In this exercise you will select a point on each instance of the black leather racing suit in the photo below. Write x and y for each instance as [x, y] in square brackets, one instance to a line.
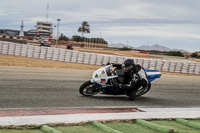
[134, 80]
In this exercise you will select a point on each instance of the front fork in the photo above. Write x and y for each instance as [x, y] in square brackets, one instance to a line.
[96, 87]
[106, 87]
[92, 80]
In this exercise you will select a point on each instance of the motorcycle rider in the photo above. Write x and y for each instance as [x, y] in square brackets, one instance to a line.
[134, 77]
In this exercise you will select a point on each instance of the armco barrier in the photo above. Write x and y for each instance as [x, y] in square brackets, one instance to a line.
[49, 53]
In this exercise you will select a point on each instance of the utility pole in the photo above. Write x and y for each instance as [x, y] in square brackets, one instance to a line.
[57, 32]
[47, 12]
[54, 32]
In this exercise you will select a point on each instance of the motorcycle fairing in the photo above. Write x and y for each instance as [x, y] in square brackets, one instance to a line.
[102, 75]
[152, 74]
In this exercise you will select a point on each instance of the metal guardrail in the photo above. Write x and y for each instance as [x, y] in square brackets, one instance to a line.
[49, 53]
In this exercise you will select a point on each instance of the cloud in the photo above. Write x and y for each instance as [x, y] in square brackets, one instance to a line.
[153, 21]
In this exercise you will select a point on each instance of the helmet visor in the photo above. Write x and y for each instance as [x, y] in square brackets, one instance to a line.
[127, 68]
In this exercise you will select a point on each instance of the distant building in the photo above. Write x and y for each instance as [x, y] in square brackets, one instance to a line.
[14, 32]
[44, 27]
[43, 30]
[11, 32]
[21, 33]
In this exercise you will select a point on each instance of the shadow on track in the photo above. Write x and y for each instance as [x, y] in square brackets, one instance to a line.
[108, 97]
[123, 98]
[147, 101]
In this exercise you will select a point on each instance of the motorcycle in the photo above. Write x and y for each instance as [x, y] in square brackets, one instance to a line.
[103, 78]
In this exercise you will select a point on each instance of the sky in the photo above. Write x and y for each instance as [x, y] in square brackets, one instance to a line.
[171, 23]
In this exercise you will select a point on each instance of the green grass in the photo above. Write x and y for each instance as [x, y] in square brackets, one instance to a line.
[176, 126]
[87, 128]
[119, 125]
[130, 128]
[194, 120]
[20, 131]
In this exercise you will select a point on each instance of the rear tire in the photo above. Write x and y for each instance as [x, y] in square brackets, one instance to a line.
[88, 89]
[133, 94]
[145, 91]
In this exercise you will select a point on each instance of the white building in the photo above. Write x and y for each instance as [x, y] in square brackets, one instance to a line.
[21, 33]
[44, 27]
[43, 30]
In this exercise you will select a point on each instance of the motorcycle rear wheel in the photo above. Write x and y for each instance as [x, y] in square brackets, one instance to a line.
[134, 94]
[89, 89]
[145, 91]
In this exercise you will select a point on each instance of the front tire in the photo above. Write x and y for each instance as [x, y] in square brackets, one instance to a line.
[89, 89]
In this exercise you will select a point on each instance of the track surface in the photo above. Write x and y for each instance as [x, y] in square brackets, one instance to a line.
[25, 87]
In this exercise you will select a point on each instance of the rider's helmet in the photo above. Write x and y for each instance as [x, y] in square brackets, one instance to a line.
[128, 65]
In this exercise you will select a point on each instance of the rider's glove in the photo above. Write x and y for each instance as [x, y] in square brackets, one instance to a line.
[108, 63]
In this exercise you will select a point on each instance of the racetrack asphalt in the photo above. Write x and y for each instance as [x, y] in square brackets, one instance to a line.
[26, 88]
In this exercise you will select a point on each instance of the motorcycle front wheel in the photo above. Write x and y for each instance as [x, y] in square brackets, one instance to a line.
[89, 89]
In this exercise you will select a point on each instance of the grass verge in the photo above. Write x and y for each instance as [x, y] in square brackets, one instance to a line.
[119, 126]
[9, 60]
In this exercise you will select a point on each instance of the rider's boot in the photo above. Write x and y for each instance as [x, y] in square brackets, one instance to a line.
[132, 95]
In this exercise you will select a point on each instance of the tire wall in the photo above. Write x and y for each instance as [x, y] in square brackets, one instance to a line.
[64, 55]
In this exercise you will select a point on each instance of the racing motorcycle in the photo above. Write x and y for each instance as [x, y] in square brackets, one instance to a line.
[103, 78]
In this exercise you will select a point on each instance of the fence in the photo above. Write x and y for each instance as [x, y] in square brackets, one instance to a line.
[49, 53]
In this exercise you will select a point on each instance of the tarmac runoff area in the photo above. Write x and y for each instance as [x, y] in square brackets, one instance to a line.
[77, 115]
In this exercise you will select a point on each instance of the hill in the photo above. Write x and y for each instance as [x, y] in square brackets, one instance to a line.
[159, 48]
[119, 45]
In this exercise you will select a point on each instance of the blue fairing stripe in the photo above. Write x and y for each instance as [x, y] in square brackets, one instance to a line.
[146, 70]
[152, 74]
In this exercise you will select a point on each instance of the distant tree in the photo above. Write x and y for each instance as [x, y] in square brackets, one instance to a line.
[63, 37]
[97, 40]
[155, 52]
[91, 40]
[85, 28]
[175, 53]
[194, 54]
[76, 38]
[125, 49]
